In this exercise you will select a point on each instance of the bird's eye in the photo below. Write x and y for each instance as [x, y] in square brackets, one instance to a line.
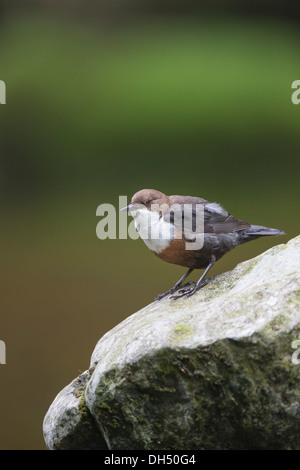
[147, 202]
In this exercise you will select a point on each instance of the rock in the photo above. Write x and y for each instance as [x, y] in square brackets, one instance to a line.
[212, 371]
[68, 424]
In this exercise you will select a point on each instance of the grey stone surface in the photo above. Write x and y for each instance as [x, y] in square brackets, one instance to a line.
[68, 424]
[212, 371]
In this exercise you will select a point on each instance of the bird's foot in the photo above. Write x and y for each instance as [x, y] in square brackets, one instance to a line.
[172, 290]
[190, 291]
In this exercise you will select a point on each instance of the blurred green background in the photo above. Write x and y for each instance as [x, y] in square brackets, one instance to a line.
[104, 100]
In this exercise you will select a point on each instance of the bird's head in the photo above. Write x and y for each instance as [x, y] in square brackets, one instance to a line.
[148, 199]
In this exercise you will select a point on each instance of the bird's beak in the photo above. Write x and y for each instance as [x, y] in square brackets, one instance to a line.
[127, 208]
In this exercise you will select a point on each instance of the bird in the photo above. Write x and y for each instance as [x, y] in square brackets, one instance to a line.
[160, 221]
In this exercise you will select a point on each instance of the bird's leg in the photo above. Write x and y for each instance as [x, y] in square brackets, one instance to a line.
[177, 285]
[199, 284]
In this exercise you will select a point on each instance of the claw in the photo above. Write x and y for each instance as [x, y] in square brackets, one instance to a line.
[186, 285]
[189, 292]
[183, 292]
[161, 296]
[177, 286]
[164, 294]
[171, 291]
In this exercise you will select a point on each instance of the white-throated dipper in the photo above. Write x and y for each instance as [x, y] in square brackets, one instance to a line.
[220, 232]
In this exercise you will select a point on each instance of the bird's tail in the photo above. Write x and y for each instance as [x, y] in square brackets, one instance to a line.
[262, 231]
[257, 231]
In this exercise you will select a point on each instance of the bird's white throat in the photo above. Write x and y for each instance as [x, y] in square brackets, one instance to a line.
[154, 230]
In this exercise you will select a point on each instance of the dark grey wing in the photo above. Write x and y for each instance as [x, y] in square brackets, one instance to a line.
[199, 215]
[218, 220]
[186, 212]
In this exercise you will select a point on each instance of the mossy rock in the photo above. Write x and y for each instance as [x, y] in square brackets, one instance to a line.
[212, 371]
